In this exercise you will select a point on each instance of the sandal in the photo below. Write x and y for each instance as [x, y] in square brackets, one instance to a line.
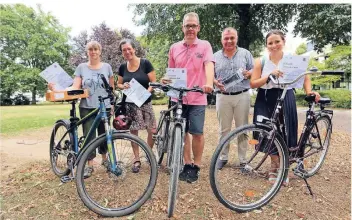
[136, 166]
[272, 180]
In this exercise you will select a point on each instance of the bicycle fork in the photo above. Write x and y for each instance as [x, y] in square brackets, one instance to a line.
[113, 168]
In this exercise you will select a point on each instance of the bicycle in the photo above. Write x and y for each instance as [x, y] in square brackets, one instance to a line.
[75, 151]
[248, 188]
[170, 139]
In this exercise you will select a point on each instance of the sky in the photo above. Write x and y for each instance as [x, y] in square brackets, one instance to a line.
[82, 15]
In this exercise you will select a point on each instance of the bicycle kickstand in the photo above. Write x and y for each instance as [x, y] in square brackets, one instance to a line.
[300, 172]
[308, 186]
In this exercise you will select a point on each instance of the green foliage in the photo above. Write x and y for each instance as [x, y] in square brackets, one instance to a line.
[30, 41]
[321, 80]
[301, 49]
[324, 24]
[340, 59]
[161, 101]
[341, 98]
[251, 20]
[157, 53]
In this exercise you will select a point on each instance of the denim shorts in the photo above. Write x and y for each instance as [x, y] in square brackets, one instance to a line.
[195, 116]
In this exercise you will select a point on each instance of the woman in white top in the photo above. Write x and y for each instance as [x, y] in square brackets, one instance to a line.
[268, 94]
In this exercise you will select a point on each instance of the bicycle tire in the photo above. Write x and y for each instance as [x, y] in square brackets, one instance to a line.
[326, 142]
[65, 124]
[163, 142]
[176, 161]
[281, 176]
[170, 147]
[135, 205]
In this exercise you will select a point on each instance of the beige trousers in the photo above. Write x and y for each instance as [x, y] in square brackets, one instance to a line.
[229, 108]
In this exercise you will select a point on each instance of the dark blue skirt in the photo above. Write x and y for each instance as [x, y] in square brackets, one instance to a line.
[265, 105]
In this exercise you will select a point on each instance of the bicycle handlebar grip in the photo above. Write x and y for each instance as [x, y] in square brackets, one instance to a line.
[155, 84]
[332, 72]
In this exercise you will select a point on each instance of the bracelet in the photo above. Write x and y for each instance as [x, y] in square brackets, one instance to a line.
[268, 80]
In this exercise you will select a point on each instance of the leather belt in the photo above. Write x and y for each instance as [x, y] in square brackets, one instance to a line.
[232, 93]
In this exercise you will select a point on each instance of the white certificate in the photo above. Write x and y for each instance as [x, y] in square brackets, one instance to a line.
[55, 74]
[178, 76]
[292, 66]
[136, 93]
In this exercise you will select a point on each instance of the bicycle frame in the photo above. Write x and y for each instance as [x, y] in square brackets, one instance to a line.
[176, 120]
[75, 122]
[278, 128]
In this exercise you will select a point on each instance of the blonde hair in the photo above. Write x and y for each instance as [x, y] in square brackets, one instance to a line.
[190, 14]
[93, 44]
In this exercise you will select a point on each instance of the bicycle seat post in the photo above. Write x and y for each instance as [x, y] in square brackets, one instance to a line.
[73, 109]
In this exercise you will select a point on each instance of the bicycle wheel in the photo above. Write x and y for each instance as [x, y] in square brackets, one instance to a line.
[176, 161]
[247, 188]
[314, 152]
[59, 152]
[162, 142]
[170, 147]
[109, 194]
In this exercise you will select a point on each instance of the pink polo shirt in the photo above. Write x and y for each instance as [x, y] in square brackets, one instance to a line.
[193, 57]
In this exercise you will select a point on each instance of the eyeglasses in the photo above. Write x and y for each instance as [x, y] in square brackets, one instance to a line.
[189, 26]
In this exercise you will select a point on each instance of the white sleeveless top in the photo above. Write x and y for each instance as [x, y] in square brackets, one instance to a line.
[269, 66]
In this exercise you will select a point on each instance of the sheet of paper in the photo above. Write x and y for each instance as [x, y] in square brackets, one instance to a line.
[232, 78]
[178, 76]
[55, 74]
[292, 66]
[136, 93]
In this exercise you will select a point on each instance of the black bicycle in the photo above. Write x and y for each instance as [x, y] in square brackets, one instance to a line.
[246, 188]
[112, 190]
[170, 139]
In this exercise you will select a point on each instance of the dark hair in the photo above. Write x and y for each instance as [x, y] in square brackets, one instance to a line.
[276, 32]
[127, 41]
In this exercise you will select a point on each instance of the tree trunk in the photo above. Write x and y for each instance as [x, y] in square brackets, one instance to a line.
[243, 29]
[34, 94]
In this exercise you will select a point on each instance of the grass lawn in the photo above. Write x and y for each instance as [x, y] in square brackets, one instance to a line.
[16, 119]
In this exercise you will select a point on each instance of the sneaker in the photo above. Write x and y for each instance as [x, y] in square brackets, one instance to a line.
[183, 175]
[193, 174]
[88, 172]
[243, 168]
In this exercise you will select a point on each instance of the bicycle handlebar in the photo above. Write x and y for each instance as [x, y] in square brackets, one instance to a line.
[332, 72]
[166, 87]
[311, 71]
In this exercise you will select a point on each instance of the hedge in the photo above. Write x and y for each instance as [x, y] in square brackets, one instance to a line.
[341, 98]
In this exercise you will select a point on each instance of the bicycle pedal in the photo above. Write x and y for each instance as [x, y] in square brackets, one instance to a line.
[66, 179]
[154, 136]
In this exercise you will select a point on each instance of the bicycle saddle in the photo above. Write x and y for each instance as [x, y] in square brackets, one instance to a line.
[75, 92]
[325, 101]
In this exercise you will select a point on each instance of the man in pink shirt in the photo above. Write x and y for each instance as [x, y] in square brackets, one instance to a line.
[197, 56]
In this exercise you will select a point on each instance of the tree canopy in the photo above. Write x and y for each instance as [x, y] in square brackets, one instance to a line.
[324, 24]
[30, 41]
[109, 40]
[301, 49]
[251, 21]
